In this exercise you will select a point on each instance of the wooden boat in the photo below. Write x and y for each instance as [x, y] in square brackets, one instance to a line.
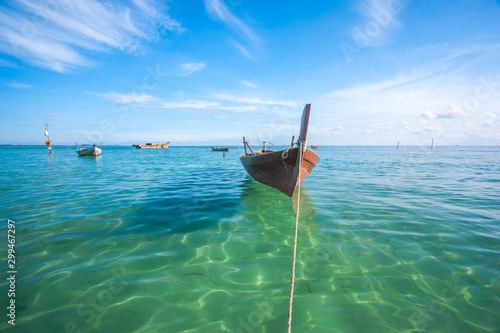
[314, 147]
[280, 169]
[152, 146]
[220, 148]
[93, 151]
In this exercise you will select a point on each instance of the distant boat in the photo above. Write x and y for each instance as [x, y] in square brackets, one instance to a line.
[152, 146]
[93, 151]
[280, 169]
[220, 148]
[314, 147]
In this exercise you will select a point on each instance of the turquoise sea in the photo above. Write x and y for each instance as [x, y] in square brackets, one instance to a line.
[183, 240]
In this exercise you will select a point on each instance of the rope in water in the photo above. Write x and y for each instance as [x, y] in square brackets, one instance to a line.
[295, 244]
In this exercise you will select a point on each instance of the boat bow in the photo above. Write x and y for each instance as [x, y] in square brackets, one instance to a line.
[280, 169]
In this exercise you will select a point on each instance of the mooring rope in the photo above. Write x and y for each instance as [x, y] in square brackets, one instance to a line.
[295, 244]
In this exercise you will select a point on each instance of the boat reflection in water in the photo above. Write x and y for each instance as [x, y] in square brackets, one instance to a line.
[276, 214]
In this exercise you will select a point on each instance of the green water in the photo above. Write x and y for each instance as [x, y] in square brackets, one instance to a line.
[183, 240]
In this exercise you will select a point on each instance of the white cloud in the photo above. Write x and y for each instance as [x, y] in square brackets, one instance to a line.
[255, 100]
[191, 105]
[376, 87]
[128, 98]
[55, 35]
[429, 115]
[453, 111]
[220, 102]
[244, 52]
[18, 85]
[7, 63]
[246, 108]
[440, 98]
[206, 105]
[218, 11]
[488, 124]
[190, 68]
[249, 84]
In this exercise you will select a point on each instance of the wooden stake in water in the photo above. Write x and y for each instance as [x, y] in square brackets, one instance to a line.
[432, 143]
[397, 146]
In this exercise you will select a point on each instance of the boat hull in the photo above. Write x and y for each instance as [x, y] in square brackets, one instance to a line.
[279, 169]
[94, 151]
[220, 149]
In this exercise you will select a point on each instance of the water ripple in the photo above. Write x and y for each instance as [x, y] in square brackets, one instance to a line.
[182, 240]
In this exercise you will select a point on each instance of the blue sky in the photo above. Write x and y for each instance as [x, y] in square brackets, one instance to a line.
[210, 71]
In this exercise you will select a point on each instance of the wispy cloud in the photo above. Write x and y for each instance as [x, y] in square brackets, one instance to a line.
[18, 85]
[190, 68]
[249, 84]
[199, 105]
[217, 102]
[442, 97]
[255, 100]
[417, 94]
[243, 50]
[56, 35]
[207, 105]
[453, 111]
[7, 63]
[128, 98]
[218, 11]
[239, 108]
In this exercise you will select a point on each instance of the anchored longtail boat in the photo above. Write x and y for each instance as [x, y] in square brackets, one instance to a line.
[283, 170]
[93, 151]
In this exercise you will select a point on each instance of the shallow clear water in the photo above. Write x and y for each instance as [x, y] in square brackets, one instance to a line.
[183, 240]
